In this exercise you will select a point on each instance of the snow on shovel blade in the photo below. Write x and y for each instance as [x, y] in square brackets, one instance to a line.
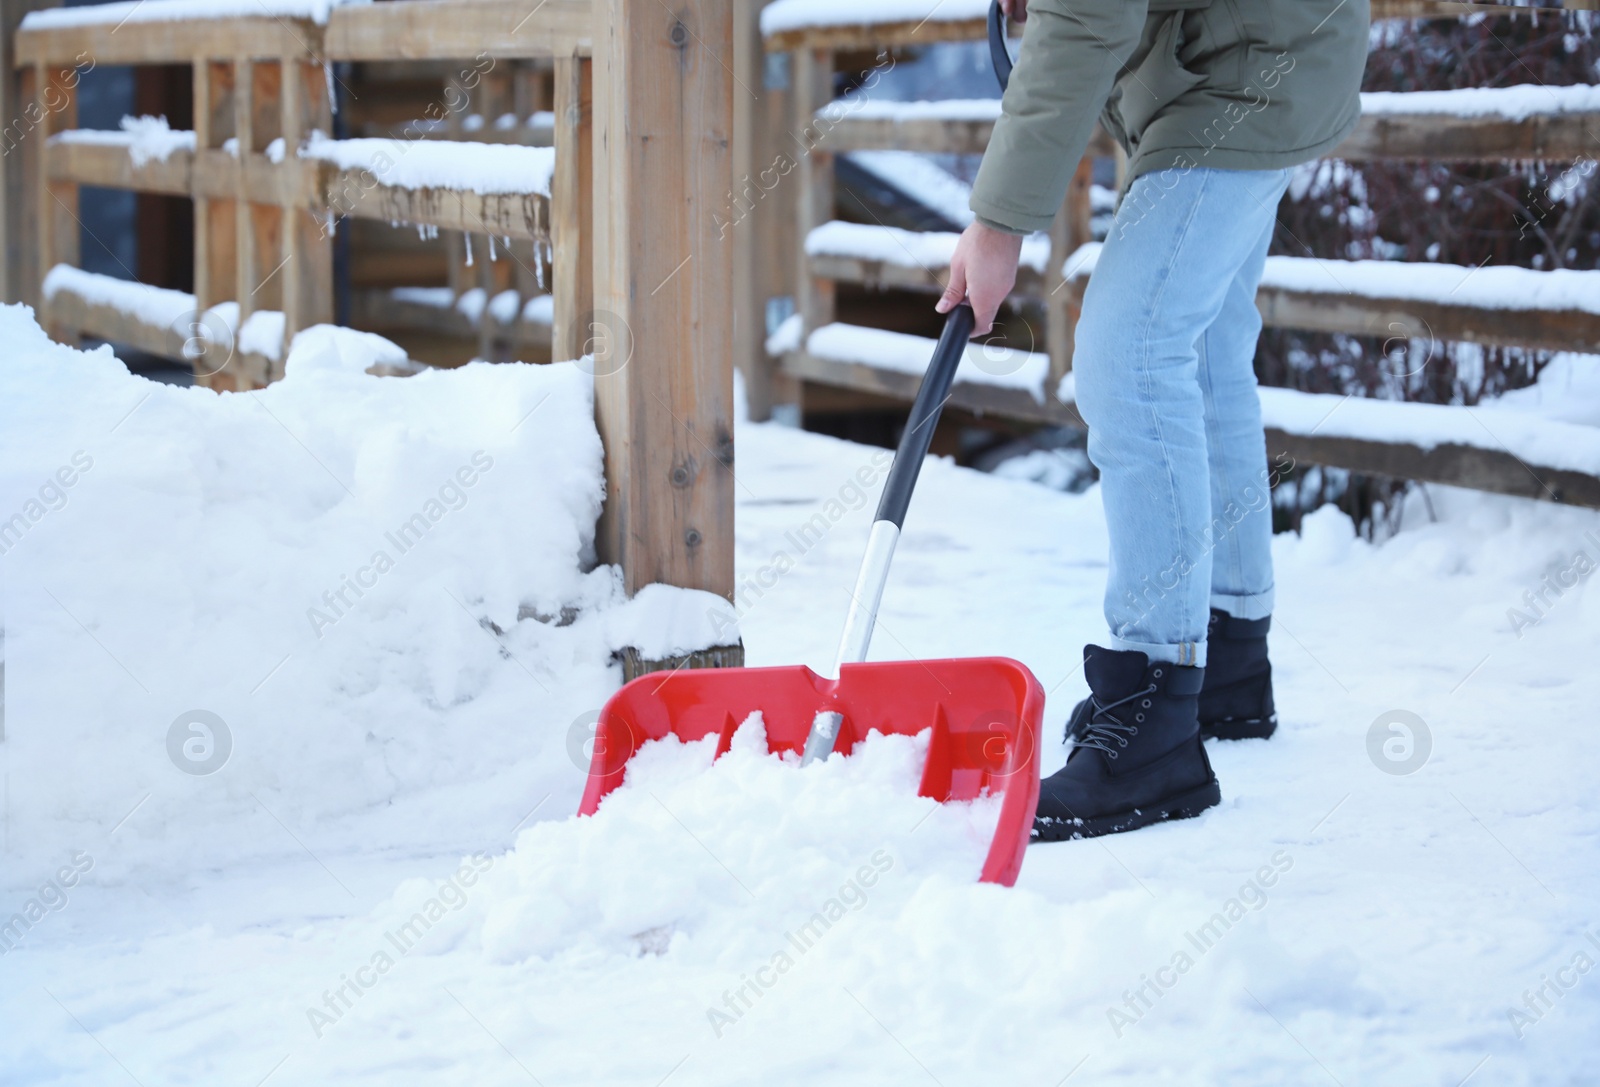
[985, 713]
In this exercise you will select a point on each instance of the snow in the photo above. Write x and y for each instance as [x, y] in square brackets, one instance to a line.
[861, 108]
[505, 306]
[906, 248]
[921, 179]
[158, 307]
[1532, 438]
[1516, 103]
[982, 364]
[437, 297]
[146, 139]
[421, 760]
[262, 334]
[540, 309]
[157, 11]
[485, 168]
[1501, 287]
[785, 15]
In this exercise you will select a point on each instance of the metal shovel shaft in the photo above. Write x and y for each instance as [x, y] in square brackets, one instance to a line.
[896, 498]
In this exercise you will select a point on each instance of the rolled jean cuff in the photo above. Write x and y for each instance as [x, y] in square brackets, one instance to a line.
[1248, 606]
[1185, 653]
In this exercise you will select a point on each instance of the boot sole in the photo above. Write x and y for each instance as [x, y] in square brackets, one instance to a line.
[1243, 728]
[1183, 806]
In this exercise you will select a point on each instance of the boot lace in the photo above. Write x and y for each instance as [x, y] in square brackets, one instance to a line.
[1106, 728]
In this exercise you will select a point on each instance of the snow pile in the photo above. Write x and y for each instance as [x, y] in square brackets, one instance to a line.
[484, 168]
[379, 585]
[730, 850]
[146, 139]
[786, 15]
[159, 11]
[929, 249]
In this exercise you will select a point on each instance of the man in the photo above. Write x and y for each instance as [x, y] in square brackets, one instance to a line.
[1215, 101]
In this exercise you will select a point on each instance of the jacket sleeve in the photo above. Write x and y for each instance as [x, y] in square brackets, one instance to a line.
[1072, 51]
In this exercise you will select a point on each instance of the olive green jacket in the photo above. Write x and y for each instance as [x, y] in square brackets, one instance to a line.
[1232, 84]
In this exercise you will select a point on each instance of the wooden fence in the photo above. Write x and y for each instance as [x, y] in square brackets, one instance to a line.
[640, 118]
[823, 353]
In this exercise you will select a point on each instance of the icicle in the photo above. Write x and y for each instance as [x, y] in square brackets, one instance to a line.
[491, 249]
[333, 224]
[422, 233]
[539, 248]
[469, 249]
[327, 74]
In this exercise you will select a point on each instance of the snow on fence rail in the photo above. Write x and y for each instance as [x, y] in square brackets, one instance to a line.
[268, 188]
[1557, 310]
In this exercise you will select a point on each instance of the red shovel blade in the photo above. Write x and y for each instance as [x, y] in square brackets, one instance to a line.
[985, 713]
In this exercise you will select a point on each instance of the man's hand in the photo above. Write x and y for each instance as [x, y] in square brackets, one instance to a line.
[982, 271]
[1017, 9]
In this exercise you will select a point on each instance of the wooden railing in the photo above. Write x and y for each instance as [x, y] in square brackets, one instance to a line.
[624, 79]
[1420, 126]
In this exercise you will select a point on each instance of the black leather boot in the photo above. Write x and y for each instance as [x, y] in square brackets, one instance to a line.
[1236, 701]
[1139, 759]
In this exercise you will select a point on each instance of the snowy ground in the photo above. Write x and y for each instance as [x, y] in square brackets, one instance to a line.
[1386, 917]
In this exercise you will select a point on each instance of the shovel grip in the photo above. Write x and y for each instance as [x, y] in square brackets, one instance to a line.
[931, 397]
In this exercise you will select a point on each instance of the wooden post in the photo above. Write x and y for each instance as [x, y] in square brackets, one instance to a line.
[19, 270]
[761, 208]
[572, 209]
[813, 88]
[1063, 301]
[307, 254]
[60, 239]
[664, 295]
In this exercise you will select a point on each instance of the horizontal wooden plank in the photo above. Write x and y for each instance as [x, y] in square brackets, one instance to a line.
[881, 274]
[1551, 330]
[506, 215]
[1493, 470]
[998, 400]
[169, 42]
[906, 32]
[69, 310]
[1556, 137]
[456, 29]
[110, 166]
[295, 182]
[912, 32]
[380, 310]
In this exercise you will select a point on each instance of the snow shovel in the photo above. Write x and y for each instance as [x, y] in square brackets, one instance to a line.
[985, 712]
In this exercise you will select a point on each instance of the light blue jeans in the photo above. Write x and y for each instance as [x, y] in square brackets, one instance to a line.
[1164, 376]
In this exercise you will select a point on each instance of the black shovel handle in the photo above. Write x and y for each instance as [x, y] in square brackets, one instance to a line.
[924, 419]
[999, 52]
